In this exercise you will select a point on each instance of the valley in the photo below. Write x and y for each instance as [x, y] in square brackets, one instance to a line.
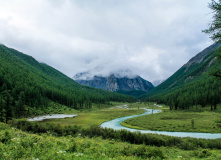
[21, 145]
[110, 80]
[78, 138]
[87, 118]
[188, 106]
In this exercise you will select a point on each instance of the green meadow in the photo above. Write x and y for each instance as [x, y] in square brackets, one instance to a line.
[82, 138]
[17, 144]
[96, 116]
[202, 120]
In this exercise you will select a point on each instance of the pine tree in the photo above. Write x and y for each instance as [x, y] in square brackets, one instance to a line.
[8, 105]
[2, 106]
[214, 28]
[215, 32]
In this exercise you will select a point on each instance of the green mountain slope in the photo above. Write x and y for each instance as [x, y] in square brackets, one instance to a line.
[135, 93]
[26, 83]
[191, 84]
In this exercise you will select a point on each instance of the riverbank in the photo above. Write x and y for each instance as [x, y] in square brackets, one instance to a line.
[16, 144]
[73, 142]
[95, 117]
[205, 121]
[52, 116]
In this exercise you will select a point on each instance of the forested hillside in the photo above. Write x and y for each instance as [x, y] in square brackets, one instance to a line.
[26, 83]
[193, 84]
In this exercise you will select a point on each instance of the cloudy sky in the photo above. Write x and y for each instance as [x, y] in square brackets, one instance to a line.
[151, 38]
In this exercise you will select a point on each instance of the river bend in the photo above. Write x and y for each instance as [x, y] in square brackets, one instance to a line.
[115, 124]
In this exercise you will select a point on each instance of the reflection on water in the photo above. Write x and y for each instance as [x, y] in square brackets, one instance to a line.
[115, 124]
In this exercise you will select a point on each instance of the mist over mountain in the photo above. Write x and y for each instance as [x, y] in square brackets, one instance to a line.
[37, 87]
[89, 75]
[83, 76]
[114, 82]
[157, 82]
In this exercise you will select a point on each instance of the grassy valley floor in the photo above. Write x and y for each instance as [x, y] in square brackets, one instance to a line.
[15, 144]
[87, 118]
[82, 138]
[180, 121]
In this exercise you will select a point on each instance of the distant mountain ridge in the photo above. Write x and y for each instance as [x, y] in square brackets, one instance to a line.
[115, 83]
[194, 68]
[192, 84]
[28, 87]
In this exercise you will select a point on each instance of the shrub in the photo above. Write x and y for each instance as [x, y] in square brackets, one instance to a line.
[204, 153]
[72, 146]
[121, 135]
[4, 126]
[149, 152]
[5, 136]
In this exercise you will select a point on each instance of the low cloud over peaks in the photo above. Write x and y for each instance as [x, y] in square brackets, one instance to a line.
[88, 75]
[152, 39]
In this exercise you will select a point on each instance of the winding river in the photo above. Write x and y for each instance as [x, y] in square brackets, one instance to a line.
[115, 124]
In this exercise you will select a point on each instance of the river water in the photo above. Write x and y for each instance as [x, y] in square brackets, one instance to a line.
[52, 116]
[115, 124]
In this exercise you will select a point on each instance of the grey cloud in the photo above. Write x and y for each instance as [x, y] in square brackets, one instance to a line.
[150, 38]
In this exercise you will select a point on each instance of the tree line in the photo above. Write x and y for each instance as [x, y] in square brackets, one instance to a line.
[203, 91]
[27, 84]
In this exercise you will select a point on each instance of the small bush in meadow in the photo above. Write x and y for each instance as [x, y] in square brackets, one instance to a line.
[72, 147]
[149, 152]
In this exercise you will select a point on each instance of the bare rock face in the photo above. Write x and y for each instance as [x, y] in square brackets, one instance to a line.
[200, 57]
[113, 83]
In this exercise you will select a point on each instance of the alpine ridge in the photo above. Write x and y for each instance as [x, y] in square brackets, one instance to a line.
[115, 83]
[193, 84]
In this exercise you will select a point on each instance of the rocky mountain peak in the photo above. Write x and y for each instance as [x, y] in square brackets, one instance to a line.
[115, 82]
[201, 56]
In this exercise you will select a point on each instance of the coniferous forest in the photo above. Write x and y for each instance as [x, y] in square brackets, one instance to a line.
[26, 85]
[196, 83]
[45, 114]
